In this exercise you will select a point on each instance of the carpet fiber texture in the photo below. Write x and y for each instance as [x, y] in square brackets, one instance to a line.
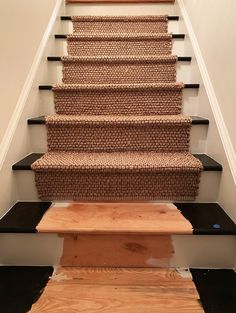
[119, 133]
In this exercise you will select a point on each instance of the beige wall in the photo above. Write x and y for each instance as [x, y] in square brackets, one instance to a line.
[214, 25]
[23, 23]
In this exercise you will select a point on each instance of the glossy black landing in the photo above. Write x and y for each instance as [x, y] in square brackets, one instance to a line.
[207, 218]
[217, 289]
[25, 164]
[21, 287]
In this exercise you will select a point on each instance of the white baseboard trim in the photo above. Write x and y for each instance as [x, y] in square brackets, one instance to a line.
[223, 131]
[12, 125]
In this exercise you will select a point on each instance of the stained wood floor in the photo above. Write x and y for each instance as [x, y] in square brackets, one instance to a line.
[101, 290]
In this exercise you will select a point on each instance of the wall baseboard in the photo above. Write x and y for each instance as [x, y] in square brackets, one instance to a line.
[12, 125]
[219, 119]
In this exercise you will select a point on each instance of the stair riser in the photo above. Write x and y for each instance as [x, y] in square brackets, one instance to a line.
[48, 249]
[27, 190]
[118, 102]
[119, 9]
[38, 137]
[118, 27]
[116, 48]
[117, 73]
[109, 138]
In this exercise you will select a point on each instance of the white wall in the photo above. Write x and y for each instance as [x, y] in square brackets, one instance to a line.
[23, 23]
[214, 25]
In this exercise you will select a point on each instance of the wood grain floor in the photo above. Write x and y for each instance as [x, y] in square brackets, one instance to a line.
[107, 290]
[92, 218]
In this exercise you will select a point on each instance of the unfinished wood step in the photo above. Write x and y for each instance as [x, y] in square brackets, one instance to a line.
[120, 24]
[119, 69]
[120, 99]
[118, 133]
[119, 290]
[79, 44]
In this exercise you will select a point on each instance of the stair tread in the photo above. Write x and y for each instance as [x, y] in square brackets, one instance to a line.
[122, 161]
[165, 86]
[114, 218]
[205, 218]
[168, 119]
[124, 36]
[196, 120]
[121, 58]
[119, 18]
[208, 163]
[119, 290]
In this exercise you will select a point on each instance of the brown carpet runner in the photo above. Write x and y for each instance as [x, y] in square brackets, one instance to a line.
[117, 176]
[125, 99]
[119, 69]
[120, 24]
[119, 44]
[119, 134]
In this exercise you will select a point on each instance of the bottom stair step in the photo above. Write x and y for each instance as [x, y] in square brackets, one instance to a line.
[112, 290]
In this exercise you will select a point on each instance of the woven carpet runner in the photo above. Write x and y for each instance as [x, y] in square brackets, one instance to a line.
[118, 133]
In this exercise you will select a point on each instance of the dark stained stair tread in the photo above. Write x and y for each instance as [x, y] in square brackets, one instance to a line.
[174, 36]
[197, 218]
[207, 218]
[55, 58]
[23, 217]
[170, 18]
[196, 120]
[25, 164]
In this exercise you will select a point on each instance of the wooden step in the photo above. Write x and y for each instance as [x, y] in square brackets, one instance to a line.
[39, 289]
[118, 290]
[208, 163]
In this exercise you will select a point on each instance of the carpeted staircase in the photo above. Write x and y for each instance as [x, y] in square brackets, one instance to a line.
[119, 133]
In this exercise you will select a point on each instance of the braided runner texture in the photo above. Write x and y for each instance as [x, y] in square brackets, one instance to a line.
[117, 176]
[119, 70]
[118, 133]
[119, 44]
[120, 24]
[126, 99]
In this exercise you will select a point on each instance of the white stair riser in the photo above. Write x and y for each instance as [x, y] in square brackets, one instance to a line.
[121, 9]
[47, 249]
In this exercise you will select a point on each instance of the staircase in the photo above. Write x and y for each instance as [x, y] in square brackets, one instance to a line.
[119, 191]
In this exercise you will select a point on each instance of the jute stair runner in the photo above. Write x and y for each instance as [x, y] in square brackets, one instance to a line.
[119, 133]
[119, 70]
[117, 176]
[119, 44]
[120, 24]
[118, 99]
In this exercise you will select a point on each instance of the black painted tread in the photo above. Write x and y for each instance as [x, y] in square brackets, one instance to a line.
[196, 120]
[206, 218]
[208, 163]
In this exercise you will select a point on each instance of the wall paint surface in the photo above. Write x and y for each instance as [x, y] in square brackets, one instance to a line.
[214, 26]
[23, 23]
